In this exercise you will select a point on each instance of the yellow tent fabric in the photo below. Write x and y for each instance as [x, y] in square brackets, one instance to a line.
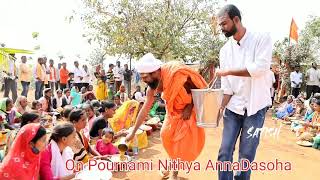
[16, 51]
[4, 56]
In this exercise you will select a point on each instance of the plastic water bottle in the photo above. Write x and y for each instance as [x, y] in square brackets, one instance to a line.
[135, 148]
[54, 120]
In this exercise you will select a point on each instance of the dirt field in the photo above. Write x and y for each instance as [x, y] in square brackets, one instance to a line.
[304, 161]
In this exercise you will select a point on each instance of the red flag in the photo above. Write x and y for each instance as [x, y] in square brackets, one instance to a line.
[294, 31]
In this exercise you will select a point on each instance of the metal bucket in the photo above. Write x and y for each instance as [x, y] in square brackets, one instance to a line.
[207, 104]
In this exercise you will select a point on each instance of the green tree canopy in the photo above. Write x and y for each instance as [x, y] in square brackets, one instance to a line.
[171, 29]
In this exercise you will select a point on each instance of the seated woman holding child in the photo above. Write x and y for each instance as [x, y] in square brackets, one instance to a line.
[312, 129]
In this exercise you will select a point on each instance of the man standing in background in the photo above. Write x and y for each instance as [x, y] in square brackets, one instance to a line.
[10, 82]
[110, 79]
[118, 75]
[313, 76]
[78, 75]
[86, 76]
[296, 81]
[52, 75]
[58, 76]
[64, 75]
[127, 76]
[39, 79]
[47, 71]
[25, 75]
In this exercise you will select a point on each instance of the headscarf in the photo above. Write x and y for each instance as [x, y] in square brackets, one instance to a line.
[21, 162]
[76, 97]
[125, 116]
[9, 115]
[3, 105]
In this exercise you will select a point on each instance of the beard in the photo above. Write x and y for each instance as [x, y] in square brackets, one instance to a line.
[232, 32]
[154, 84]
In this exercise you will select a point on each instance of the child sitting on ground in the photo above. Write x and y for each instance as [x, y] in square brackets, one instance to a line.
[104, 146]
[36, 107]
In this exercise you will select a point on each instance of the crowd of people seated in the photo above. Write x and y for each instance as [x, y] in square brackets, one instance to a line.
[304, 117]
[68, 124]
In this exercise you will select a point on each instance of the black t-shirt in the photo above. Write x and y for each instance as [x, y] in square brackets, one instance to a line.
[70, 83]
[98, 124]
[127, 75]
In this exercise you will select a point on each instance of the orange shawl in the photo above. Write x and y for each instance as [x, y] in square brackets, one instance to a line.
[181, 138]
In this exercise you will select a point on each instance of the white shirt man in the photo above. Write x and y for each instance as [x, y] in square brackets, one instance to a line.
[296, 79]
[77, 74]
[86, 76]
[248, 93]
[313, 77]
[118, 73]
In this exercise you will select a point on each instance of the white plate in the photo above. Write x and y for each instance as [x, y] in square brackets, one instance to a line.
[139, 131]
[145, 127]
[304, 143]
[94, 175]
[154, 120]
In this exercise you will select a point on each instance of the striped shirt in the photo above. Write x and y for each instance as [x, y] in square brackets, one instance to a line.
[110, 77]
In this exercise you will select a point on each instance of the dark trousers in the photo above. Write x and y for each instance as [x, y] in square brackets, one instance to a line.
[295, 92]
[236, 125]
[79, 85]
[127, 84]
[58, 85]
[10, 85]
[311, 90]
[85, 85]
[25, 88]
[52, 86]
[63, 86]
[39, 89]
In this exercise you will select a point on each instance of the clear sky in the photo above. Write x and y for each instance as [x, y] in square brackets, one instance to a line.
[19, 18]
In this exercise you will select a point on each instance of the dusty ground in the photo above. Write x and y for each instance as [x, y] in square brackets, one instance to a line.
[305, 161]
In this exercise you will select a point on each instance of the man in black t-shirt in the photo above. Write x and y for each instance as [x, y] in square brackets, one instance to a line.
[107, 110]
[127, 75]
